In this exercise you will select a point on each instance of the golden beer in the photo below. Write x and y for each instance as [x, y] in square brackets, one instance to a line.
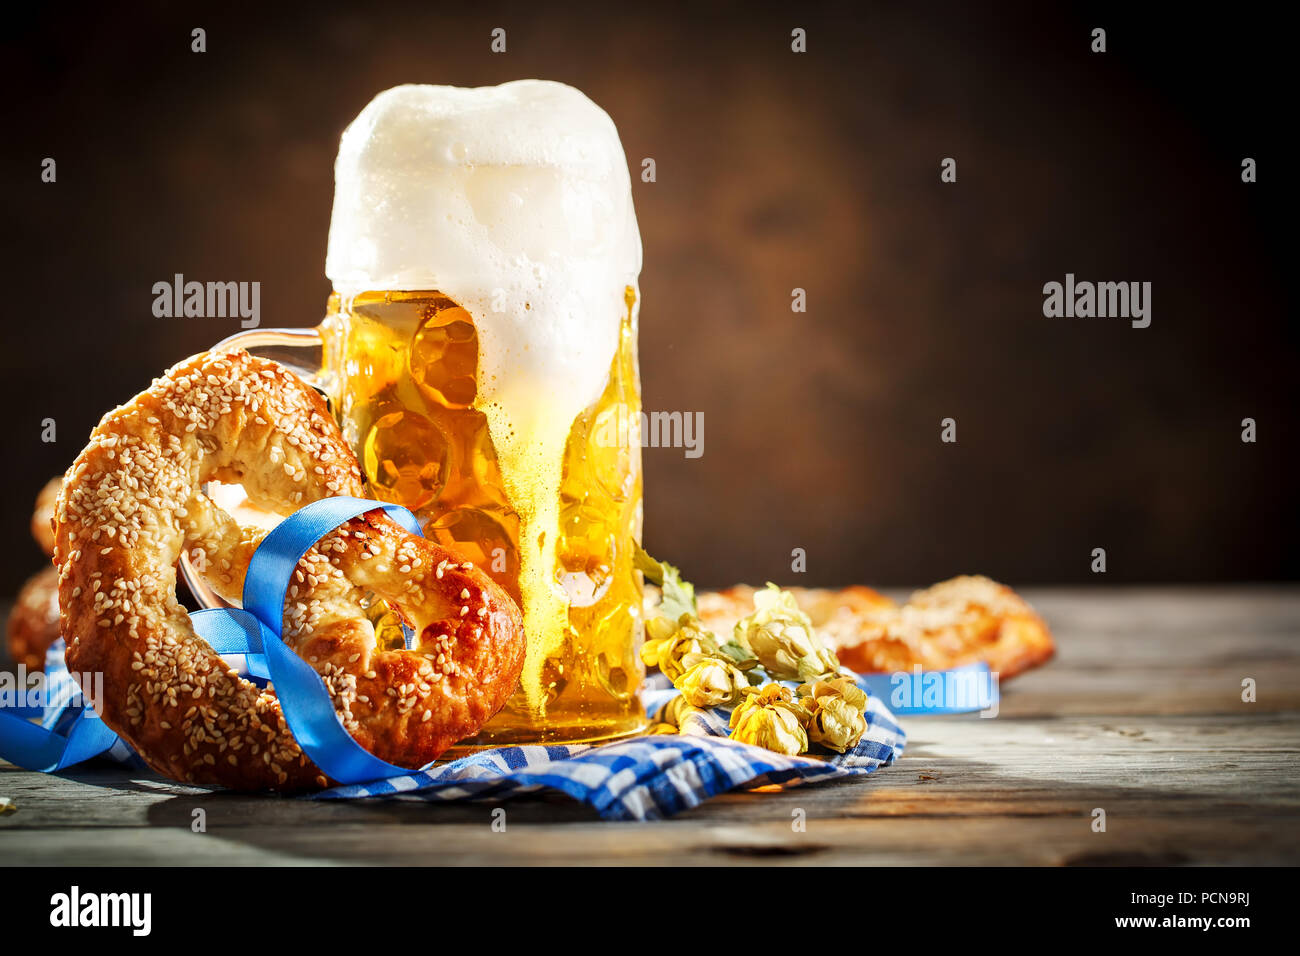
[401, 370]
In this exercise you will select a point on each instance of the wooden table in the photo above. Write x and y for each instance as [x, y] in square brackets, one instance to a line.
[1140, 715]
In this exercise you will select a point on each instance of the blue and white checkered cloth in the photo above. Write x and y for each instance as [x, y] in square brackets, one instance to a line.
[643, 778]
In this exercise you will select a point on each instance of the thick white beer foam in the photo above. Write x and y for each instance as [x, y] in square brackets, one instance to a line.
[515, 201]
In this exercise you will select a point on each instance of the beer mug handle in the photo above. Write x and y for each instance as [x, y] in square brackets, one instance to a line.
[286, 346]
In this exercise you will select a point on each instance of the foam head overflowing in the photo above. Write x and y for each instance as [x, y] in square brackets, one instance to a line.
[513, 200]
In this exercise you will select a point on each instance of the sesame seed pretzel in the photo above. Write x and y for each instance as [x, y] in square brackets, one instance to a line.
[133, 501]
[33, 623]
[43, 513]
[951, 624]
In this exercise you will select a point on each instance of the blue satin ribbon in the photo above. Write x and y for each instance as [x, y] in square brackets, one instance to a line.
[961, 690]
[255, 633]
[35, 747]
[66, 735]
[307, 706]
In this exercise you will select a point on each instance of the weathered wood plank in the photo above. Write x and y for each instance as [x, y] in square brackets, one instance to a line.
[1010, 791]
[987, 840]
[1164, 651]
[992, 841]
[1140, 715]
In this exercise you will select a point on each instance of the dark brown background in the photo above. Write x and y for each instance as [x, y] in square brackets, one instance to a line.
[774, 171]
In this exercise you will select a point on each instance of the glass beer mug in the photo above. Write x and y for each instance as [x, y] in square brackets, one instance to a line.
[479, 351]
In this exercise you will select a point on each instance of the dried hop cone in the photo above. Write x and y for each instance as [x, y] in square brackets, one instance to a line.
[782, 638]
[770, 718]
[711, 681]
[837, 707]
[842, 686]
[667, 644]
[657, 631]
[677, 711]
[836, 724]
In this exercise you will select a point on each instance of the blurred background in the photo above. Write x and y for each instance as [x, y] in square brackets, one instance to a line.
[774, 171]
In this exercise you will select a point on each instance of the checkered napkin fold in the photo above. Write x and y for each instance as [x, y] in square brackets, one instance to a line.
[643, 778]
